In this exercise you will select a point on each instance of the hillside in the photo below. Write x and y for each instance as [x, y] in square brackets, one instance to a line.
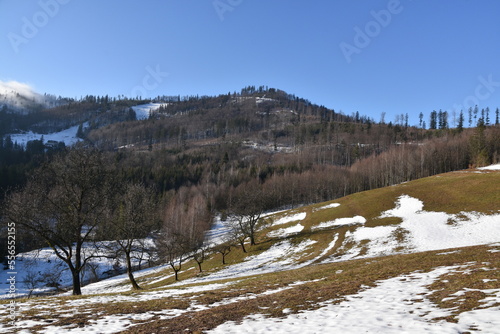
[294, 151]
[418, 256]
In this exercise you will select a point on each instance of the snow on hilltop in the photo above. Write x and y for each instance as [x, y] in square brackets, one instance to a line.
[20, 97]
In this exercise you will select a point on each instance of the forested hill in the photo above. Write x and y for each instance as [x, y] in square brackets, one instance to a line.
[210, 151]
[264, 116]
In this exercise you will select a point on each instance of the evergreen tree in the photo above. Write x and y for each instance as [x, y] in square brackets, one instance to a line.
[79, 132]
[433, 122]
[478, 147]
[460, 126]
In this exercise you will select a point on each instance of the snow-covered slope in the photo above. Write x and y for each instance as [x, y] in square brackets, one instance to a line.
[68, 136]
[143, 111]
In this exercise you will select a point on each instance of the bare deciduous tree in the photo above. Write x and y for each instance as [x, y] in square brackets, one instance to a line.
[236, 231]
[200, 253]
[184, 227]
[247, 208]
[133, 216]
[173, 247]
[63, 203]
[223, 249]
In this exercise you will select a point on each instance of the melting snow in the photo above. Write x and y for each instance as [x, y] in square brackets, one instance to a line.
[492, 167]
[285, 232]
[328, 206]
[424, 230]
[340, 222]
[291, 218]
[281, 256]
[396, 305]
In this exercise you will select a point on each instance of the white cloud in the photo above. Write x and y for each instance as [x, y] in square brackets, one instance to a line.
[11, 88]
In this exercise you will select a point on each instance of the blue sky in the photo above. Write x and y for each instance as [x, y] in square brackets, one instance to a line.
[391, 56]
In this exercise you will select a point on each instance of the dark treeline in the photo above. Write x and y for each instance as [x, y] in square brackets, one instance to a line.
[308, 175]
[65, 116]
[16, 161]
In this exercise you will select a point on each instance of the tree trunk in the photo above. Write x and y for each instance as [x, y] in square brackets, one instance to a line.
[130, 274]
[76, 268]
[176, 269]
[76, 282]
[242, 243]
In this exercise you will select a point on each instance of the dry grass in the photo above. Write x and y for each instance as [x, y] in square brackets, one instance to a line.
[325, 282]
[334, 281]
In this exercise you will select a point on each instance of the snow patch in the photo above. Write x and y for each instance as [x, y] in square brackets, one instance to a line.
[340, 222]
[44, 263]
[491, 167]
[421, 231]
[285, 232]
[328, 206]
[290, 218]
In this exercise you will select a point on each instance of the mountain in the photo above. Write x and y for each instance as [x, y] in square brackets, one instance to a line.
[390, 214]
[20, 98]
[414, 257]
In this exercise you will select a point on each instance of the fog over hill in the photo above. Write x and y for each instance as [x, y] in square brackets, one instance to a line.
[21, 98]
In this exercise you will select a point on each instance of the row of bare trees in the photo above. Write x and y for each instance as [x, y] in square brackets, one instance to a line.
[80, 209]
[77, 206]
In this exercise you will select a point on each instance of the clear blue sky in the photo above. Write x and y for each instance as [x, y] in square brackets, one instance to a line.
[368, 56]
